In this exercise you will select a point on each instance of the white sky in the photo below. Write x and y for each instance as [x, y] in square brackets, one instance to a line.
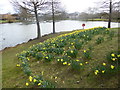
[70, 5]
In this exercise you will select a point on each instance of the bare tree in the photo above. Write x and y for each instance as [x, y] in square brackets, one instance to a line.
[56, 8]
[35, 7]
[108, 6]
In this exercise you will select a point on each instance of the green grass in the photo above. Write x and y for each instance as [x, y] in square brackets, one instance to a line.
[66, 77]
[7, 21]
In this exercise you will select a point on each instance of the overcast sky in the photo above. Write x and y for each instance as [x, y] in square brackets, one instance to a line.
[70, 5]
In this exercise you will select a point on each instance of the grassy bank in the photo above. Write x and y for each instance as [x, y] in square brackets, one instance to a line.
[61, 75]
[106, 20]
[7, 21]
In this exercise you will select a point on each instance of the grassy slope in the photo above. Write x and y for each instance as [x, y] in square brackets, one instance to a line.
[66, 78]
[9, 71]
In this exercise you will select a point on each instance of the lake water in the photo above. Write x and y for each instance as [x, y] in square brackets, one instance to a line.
[17, 33]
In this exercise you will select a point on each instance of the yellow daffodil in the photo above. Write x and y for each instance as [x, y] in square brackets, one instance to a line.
[46, 57]
[27, 84]
[18, 65]
[71, 51]
[64, 63]
[103, 71]
[84, 51]
[104, 64]
[112, 67]
[61, 59]
[58, 59]
[55, 77]
[86, 62]
[69, 64]
[113, 59]
[118, 55]
[30, 78]
[81, 64]
[72, 43]
[39, 84]
[113, 55]
[77, 60]
[34, 80]
[96, 71]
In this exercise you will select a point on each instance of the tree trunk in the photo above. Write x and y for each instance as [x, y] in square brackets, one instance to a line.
[53, 17]
[110, 14]
[37, 22]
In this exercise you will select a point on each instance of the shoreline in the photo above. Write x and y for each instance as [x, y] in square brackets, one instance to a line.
[43, 38]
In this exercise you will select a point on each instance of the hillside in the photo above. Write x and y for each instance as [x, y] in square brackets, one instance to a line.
[79, 59]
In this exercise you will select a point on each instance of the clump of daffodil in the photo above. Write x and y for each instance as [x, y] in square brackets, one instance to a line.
[30, 78]
[112, 67]
[86, 62]
[64, 63]
[96, 72]
[104, 64]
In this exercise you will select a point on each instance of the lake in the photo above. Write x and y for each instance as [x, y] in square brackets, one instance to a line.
[17, 33]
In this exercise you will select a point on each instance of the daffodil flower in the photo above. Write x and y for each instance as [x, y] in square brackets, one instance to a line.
[86, 62]
[34, 80]
[58, 59]
[81, 64]
[103, 71]
[113, 59]
[69, 64]
[55, 77]
[61, 59]
[27, 84]
[71, 51]
[112, 67]
[39, 84]
[64, 63]
[84, 51]
[95, 73]
[18, 65]
[104, 64]
[77, 60]
[30, 78]
[113, 55]
[118, 55]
